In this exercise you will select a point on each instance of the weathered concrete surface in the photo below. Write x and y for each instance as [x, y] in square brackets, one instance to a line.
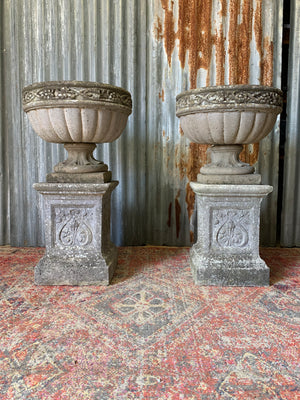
[80, 158]
[77, 195]
[224, 160]
[228, 117]
[247, 179]
[93, 177]
[77, 234]
[78, 114]
[227, 248]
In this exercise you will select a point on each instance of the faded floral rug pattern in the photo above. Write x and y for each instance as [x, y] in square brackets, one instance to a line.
[152, 334]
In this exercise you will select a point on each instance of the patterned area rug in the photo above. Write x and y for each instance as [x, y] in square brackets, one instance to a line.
[152, 334]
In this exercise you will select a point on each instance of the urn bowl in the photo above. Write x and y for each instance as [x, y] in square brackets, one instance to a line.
[73, 111]
[227, 117]
[78, 114]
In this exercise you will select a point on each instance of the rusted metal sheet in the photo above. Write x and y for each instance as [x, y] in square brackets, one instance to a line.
[210, 33]
[155, 49]
[207, 42]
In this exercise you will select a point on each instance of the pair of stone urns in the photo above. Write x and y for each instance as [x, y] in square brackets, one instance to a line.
[77, 194]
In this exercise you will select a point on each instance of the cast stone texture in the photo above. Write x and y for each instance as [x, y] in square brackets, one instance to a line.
[227, 249]
[77, 233]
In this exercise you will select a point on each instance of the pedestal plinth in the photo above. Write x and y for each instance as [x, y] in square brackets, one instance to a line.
[227, 248]
[77, 234]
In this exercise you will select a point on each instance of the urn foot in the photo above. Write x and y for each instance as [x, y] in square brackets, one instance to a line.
[225, 161]
[80, 160]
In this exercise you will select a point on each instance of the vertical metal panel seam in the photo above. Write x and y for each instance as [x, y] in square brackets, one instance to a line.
[290, 228]
[16, 164]
[268, 161]
[3, 207]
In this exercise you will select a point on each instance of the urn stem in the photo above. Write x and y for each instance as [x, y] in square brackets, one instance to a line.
[80, 159]
[224, 160]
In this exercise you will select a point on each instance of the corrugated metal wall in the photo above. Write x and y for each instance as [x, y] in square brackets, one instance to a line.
[198, 43]
[92, 40]
[155, 49]
[290, 235]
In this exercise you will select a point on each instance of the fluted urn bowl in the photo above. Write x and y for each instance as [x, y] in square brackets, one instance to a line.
[227, 117]
[78, 114]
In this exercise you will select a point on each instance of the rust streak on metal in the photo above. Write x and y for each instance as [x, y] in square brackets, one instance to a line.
[166, 151]
[234, 7]
[223, 10]
[158, 29]
[258, 33]
[189, 165]
[219, 42]
[169, 215]
[264, 47]
[191, 236]
[194, 42]
[240, 36]
[169, 32]
[194, 34]
[177, 213]
[244, 40]
[180, 162]
[253, 156]
[190, 200]
[183, 33]
[162, 95]
[196, 158]
[206, 37]
[201, 38]
[220, 57]
[250, 153]
[267, 63]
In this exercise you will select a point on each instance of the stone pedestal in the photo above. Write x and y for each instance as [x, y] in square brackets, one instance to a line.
[77, 234]
[227, 248]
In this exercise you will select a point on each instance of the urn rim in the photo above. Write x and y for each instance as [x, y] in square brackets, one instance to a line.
[76, 94]
[229, 98]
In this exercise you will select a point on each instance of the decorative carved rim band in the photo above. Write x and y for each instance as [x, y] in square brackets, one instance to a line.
[229, 98]
[75, 94]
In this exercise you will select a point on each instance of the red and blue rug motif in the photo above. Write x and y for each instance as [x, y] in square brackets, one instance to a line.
[151, 334]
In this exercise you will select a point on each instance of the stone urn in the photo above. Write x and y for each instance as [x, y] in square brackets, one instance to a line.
[228, 193]
[78, 114]
[77, 194]
[226, 117]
